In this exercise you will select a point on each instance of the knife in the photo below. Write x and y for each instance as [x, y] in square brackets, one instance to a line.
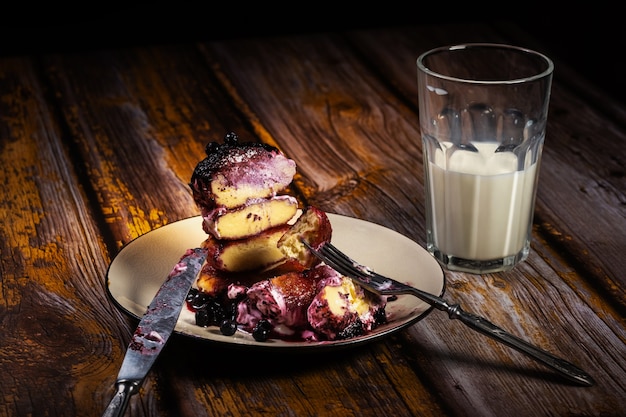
[154, 329]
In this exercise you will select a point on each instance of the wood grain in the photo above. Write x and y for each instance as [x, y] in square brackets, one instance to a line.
[97, 149]
[59, 333]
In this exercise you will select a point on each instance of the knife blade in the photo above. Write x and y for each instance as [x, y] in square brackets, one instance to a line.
[154, 329]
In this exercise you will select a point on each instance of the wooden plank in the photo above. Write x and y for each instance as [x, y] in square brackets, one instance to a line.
[139, 137]
[112, 128]
[134, 123]
[340, 121]
[346, 131]
[60, 334]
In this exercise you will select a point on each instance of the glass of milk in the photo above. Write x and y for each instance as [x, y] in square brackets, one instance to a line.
[483, 111]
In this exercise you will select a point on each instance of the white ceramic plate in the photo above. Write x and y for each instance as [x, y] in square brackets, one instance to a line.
[139, 269]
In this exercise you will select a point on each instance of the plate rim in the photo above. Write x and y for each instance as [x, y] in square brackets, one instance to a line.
[285, 345]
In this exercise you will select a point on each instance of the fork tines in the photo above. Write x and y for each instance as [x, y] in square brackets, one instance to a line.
[346, 266]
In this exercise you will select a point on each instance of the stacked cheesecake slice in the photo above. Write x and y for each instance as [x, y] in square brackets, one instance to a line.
[258, 268]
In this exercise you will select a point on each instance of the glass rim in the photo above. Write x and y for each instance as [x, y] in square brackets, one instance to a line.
[548, 71]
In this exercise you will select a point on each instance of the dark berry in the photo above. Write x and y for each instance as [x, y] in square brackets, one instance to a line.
[199, 300]
[261, 331]
[380, 316]
[354, 329]
[216, 312]
[228, 327]
[231, 138]
[234, 311]
[190, 296]
[211, 147]
[192, 292]
[202, 318]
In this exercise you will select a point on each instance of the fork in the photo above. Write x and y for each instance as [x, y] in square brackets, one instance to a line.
[379, 284]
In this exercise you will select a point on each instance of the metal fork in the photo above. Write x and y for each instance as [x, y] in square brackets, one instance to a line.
[382, 285]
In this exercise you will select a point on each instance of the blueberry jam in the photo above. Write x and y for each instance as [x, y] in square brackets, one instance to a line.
[223, 312]
[210, 311]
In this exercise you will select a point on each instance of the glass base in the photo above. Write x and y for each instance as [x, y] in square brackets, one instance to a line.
[454, 263]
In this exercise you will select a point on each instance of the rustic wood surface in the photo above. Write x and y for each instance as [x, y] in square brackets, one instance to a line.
[97, 148]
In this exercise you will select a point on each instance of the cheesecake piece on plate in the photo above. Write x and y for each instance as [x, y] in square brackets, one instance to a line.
[257, 252]
[341, 309]
[234, 172]
[253, 218]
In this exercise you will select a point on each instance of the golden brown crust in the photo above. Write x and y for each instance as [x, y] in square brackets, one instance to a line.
[297, 289]
[314, 227]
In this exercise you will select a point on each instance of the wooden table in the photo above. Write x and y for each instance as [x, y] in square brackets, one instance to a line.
[97, 148]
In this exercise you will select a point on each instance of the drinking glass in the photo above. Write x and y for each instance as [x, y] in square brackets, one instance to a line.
[483, 110]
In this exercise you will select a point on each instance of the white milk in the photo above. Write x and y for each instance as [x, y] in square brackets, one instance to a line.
[481, 204]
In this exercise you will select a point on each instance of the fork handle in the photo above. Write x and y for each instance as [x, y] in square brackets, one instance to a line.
[484, 326]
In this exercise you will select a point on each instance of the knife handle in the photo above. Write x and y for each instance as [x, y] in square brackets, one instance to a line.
[119, 402]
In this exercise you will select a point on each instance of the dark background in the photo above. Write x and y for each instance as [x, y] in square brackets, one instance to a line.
[590, 37]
